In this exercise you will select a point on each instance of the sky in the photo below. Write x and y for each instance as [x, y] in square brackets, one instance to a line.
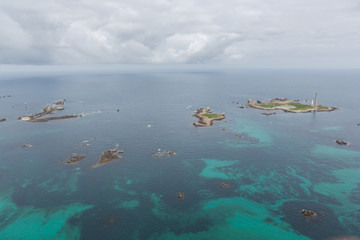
[248, 33]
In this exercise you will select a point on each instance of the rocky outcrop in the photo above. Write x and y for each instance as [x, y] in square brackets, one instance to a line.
[225, 185]
[26, 146]
[341, 142]
[181, 195]
[108, 156]
[75, 159]
[2, 119]
[268, 114]
[59, 102]
[308, 213]
[204, 120]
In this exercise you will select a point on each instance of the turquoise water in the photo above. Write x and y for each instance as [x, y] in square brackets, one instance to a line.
[275, 165]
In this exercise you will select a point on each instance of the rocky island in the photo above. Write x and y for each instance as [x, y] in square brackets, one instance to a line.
[75, 159]
[108, 156]
[48, 110]
[2, 119]
[288, 105]
[206, 117]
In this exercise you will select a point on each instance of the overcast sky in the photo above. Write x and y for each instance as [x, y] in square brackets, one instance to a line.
[251, 33]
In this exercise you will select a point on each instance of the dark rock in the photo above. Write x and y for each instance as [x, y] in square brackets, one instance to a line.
[2, 119]
[225, 185]
[308, 213]
[341, 142]
[269, 114]
[180, 195]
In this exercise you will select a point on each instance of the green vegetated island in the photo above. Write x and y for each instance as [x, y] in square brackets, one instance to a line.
[206, 117]
[288, 105]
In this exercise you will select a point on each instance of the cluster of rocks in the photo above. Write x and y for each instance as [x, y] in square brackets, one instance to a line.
[60, 102]
[225, 185]
[269, 114]
[75, 159]
[308, 213]
[2, 119]
[5, 96]
[164, 153]
[240, 105]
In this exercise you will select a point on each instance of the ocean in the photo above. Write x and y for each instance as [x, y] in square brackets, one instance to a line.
[275, 165]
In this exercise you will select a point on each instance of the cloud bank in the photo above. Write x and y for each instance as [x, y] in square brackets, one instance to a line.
[245, 32]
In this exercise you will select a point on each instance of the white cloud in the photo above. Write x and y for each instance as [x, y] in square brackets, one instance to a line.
[241, 32]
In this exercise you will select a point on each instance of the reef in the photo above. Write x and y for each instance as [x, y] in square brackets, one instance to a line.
[48, 110]
[164, 153]
[308, 213]
[287, 105]
[75, 159]
[341, 142]
[108, 156]
[206, 117]
[2, 119]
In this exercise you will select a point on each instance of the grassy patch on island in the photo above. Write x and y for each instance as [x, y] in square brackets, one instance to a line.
[211, 115]
[270, 105]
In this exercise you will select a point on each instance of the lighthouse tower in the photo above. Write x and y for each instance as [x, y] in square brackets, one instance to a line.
[316, 100]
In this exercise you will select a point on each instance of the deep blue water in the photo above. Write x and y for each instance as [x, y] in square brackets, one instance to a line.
[283, 163]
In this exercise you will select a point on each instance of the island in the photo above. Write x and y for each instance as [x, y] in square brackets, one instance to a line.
[2, 119]
[206, 117]
[75, 159]
[288, 105]
[108, 156]
[48, 110]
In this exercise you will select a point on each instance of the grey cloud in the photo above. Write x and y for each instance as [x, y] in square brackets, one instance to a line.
[165, 31]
